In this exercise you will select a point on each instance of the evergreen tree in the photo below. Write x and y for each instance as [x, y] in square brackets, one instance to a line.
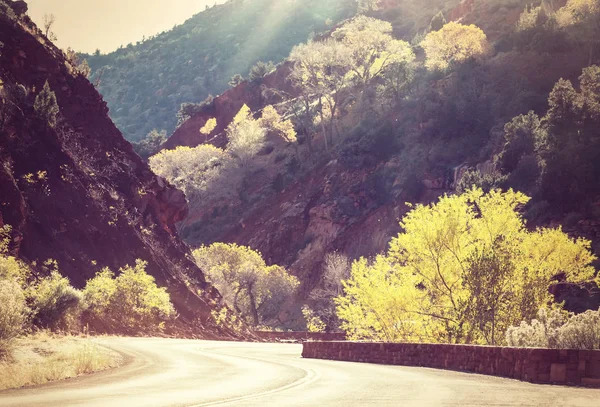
[46, 106]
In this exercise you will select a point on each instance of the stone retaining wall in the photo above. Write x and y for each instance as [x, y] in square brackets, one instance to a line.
[300, 336]
[578, 367]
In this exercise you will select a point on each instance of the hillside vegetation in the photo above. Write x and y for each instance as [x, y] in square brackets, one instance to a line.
[492, 94]
[145, 84]
[75, 199]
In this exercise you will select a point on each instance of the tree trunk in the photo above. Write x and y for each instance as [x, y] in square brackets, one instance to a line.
[235, 301]
[323, 129]
[253, 309]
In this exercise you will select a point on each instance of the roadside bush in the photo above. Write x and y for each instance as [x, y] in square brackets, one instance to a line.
[13, 313]
[558, 329]
[55, 304]
[131, 302]
[542, 332]
[313, 322]
[581, 331]
[13, 269]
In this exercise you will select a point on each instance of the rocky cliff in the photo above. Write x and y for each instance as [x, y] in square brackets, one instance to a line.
[75, 191]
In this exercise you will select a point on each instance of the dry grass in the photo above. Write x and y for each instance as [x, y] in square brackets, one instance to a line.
[44, 357]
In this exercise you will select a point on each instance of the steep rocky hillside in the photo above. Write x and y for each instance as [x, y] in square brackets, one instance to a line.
[301, 206]
[144, 84]
[72, 188]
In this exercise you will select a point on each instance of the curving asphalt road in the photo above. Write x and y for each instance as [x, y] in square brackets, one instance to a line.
[173, 372]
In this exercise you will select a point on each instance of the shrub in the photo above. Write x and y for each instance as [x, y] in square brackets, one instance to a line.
[581, 331]
[131, 302]
[55, 303]
[540, 333]
[260, 70]
[313, 322]
[187, 110]
[46, 106]
[13, 313]
[151, 144]
[236, 80]
[472, 178]
[13, 269]
[558, 329]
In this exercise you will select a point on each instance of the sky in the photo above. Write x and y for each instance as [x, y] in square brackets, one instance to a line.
[87, 25]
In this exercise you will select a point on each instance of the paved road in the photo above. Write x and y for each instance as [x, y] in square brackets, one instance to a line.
[172, 372]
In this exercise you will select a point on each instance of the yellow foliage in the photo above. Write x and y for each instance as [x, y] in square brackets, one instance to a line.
[455, 43]
[578, 11]
[243, 114]
[313, 322]
[464, 270]
[209, 126]
[274, 122]
[131, 302]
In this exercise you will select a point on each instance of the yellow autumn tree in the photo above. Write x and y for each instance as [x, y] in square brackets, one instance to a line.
[273, 121]
[246, 136]
[455, 43]
[463, 271]
[209, 127]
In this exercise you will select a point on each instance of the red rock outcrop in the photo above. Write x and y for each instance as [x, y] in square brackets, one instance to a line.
[77, 192]
[227, 105]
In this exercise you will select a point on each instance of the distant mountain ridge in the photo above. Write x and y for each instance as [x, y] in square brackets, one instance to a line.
[145, 84]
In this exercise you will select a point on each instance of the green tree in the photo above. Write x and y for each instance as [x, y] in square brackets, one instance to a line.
[474, 178]
[187, 110]
[463, 271]
[253, 289]
[14, 313]
[236, 80]
[453, 44]
[524, 136]
[46, 106]
[55, 304]
[313, 322]
[572, 143]
[581, 18]
[150, 144]
[79, 67]
[260, 70]
[438, 21]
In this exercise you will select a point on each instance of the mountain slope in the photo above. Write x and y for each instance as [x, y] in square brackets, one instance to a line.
[300, 205]
[73, 190]
[145, 84]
